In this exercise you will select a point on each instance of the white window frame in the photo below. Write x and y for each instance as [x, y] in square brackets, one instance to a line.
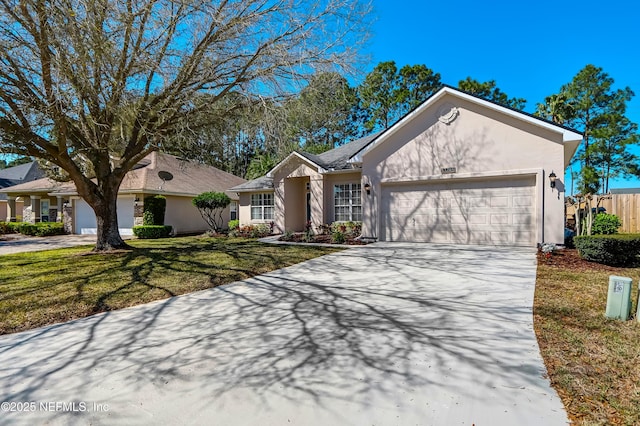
[352, 202]
[233, 211]
[262, 207]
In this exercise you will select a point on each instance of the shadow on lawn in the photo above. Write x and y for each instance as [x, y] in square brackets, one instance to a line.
[369, 321]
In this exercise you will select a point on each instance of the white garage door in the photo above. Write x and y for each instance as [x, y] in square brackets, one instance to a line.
[85, 218]
[496, 212]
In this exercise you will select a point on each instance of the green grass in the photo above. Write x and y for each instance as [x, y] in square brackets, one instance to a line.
[593, 362]
[47, 287]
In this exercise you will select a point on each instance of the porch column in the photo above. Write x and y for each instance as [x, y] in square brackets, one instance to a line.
[35, 209]
[11, 209]
[58, 209]
[67, 217]
[316, 188]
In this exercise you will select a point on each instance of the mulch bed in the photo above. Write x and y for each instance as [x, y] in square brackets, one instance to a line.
[323, 239]
[569, 259]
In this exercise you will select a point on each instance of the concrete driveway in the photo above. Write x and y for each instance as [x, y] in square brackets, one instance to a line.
[15, 243]
[387, 334]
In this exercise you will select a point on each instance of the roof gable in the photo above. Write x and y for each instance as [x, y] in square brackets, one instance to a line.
[334, 159]
[570, 138]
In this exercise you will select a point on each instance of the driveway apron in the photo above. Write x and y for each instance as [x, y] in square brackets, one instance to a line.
[386, 334]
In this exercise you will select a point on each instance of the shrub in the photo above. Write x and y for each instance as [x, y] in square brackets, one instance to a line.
[26, 228]
[605, 224]
[614, 250]
[45, 229]
[338, 238]
[5, 228]
[347, 228]
[308, 232]
[14, 227]
[211, 205]
[154, 210]
[251, 231]
[147, 218]
[287, 236]
[233, 224]
[323, 229]
[151, 232]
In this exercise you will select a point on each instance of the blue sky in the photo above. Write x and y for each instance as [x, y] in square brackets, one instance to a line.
[529, 48]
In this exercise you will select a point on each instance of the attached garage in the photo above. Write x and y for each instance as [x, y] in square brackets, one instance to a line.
[495, 211]
[85, 218]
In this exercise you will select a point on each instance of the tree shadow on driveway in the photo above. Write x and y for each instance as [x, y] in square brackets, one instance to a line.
[373, 333]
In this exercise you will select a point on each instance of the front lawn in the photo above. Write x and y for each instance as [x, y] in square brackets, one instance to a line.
[593, 362]
[41, 288]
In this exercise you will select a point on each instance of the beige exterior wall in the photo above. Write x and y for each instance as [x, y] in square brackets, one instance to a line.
[185, 218]
[480, 143]
[3, 211]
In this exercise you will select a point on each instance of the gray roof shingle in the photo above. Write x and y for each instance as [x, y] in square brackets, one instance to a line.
[263, 183]
[188, 178]
[16, 175]
[338, 158]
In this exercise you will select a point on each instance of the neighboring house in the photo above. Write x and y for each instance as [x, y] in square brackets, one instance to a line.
[14, 176]
[157, 174]
[457, 169]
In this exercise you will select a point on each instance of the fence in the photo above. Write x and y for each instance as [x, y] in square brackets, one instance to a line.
[625, 206]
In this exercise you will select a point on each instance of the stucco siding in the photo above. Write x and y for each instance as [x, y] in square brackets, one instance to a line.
[185, 218]
[478, 143]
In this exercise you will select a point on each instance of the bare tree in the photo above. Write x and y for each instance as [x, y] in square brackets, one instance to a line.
[93, 86]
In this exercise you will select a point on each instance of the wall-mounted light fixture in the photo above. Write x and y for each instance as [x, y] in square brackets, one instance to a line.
[552, 179]
[136, 201]
[367, 188]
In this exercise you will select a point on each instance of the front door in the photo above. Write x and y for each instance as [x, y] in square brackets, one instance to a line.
[308, 207]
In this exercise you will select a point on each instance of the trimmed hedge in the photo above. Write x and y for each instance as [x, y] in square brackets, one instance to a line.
[613, 250]
[154, 210]
[44, 229]
[40, 229]
[151, 232]
[5, 228]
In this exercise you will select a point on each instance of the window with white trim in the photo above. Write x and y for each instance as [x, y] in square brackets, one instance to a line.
[233, 211]
[261, 206]
[347, 202]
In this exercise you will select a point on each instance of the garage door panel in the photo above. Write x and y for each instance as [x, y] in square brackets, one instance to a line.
[501, 212]
[522, 237]
[85, 218]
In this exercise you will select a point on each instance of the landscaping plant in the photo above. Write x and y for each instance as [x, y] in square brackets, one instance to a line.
[150, 232]
[605, 224]
[614, 250]
[211, 205]
[155, 208]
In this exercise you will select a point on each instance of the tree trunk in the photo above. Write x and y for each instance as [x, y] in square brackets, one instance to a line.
[108, 233]
[103, 199]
